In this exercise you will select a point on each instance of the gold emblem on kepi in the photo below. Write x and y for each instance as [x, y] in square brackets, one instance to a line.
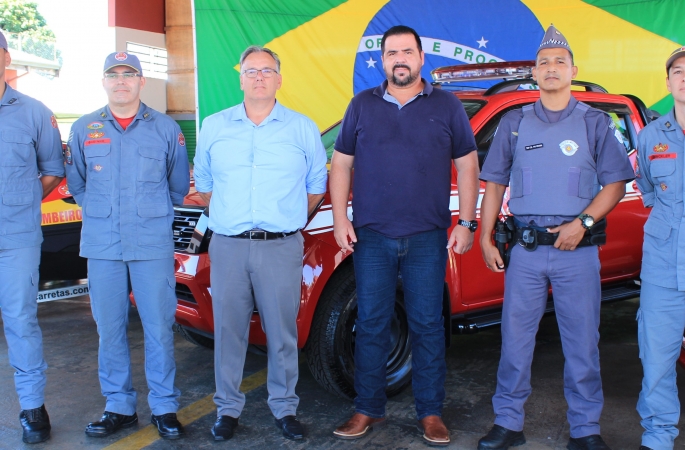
[663, 186]
[660, 148]
[97, 167]
[568, 147]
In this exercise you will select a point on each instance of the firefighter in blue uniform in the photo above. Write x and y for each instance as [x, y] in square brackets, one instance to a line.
[554, 155]
[126, 166]
[30, 168]
[661, 317]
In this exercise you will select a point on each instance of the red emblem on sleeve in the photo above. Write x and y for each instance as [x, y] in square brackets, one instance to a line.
[53, 120]
[181, 140]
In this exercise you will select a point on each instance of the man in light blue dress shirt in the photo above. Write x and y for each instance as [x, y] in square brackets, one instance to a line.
[261, 167]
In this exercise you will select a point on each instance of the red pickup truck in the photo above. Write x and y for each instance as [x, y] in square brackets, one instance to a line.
[472, 294]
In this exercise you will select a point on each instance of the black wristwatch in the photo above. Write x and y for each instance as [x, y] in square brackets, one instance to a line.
[587, 221]
[472, 225]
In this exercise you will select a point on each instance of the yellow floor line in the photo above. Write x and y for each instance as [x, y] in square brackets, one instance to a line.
[187, 415]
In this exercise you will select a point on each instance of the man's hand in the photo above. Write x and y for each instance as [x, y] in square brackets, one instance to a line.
[570, 235]
[491, 256]
[344, 234]
[461, 240]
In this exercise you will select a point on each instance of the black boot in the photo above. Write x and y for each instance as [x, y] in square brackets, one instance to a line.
[500, 438]
[110, 423]
[36, 425]
[592, 442]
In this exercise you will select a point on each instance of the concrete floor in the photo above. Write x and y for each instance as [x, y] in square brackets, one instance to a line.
[73, 392]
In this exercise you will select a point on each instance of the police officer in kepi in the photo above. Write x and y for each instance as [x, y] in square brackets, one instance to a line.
[554, 155]
[127, 166]
[661, 317]
[30, 168]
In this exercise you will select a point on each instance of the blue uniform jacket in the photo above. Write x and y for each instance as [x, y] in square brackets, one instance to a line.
[127, 182]
[659, 175]
[29, 145]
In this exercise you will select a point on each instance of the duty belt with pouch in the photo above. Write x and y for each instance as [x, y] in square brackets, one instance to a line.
[505, 235]
[530, 237]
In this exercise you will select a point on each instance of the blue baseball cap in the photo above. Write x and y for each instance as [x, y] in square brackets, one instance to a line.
[122, 59]
[3, 41]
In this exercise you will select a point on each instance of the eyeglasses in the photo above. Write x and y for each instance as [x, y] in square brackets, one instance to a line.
[125, 76]
[266, 73]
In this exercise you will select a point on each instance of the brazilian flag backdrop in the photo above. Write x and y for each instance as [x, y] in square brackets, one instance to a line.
[329, 49]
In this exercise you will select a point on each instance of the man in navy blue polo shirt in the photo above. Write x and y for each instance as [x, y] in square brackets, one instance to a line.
[401, 138]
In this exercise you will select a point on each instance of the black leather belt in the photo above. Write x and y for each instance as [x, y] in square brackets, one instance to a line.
[543, 238]
[261, 235]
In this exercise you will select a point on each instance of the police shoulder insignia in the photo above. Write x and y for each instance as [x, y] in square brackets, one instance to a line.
[53, 121]
[181, 140]
[568, 147]
[660, 148]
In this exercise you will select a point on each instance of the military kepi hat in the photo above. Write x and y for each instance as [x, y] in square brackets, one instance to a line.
[3, 41]
[677, 53]
[554, 39]
[122, 59]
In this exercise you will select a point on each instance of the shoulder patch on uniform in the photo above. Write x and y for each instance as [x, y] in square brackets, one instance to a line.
[67, 155]
[618, 136]
[53, 121]
[181, 140]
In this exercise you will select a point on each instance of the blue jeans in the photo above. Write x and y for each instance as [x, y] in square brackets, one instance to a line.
[421, 261]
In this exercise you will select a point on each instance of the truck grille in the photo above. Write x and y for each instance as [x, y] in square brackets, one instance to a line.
[183, 293]
[185, 220]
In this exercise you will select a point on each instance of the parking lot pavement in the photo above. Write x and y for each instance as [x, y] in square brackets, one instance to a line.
[73, 393]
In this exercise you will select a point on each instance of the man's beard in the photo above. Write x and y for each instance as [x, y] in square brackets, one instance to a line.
[401, 82]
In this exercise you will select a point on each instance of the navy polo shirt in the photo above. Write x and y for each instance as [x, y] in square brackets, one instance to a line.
[403, 158]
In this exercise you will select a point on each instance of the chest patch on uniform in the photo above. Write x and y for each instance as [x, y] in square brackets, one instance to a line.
[95, 126]
[97, 167]
[96, 141]
[96, 134]
[568, 147]
[181, 140]
[663, 156]
[533, 147]
[663, 186]
[660, 148]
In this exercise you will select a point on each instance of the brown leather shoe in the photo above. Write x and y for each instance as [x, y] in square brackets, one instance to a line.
[358, 426]
[434, 430]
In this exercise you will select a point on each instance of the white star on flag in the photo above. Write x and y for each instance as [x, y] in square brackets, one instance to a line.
[371, 63]
[482, 42]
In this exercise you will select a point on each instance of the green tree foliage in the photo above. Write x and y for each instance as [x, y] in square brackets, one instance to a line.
[22, 17]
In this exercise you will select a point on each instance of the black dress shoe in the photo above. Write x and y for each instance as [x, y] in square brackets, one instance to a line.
[168, 426]
[592, 442]
[224, 427]
[36, 425]
[291, 427]
[110, 423]
[500, 438]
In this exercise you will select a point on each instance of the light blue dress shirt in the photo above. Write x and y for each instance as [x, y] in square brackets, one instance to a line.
[259, 175]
